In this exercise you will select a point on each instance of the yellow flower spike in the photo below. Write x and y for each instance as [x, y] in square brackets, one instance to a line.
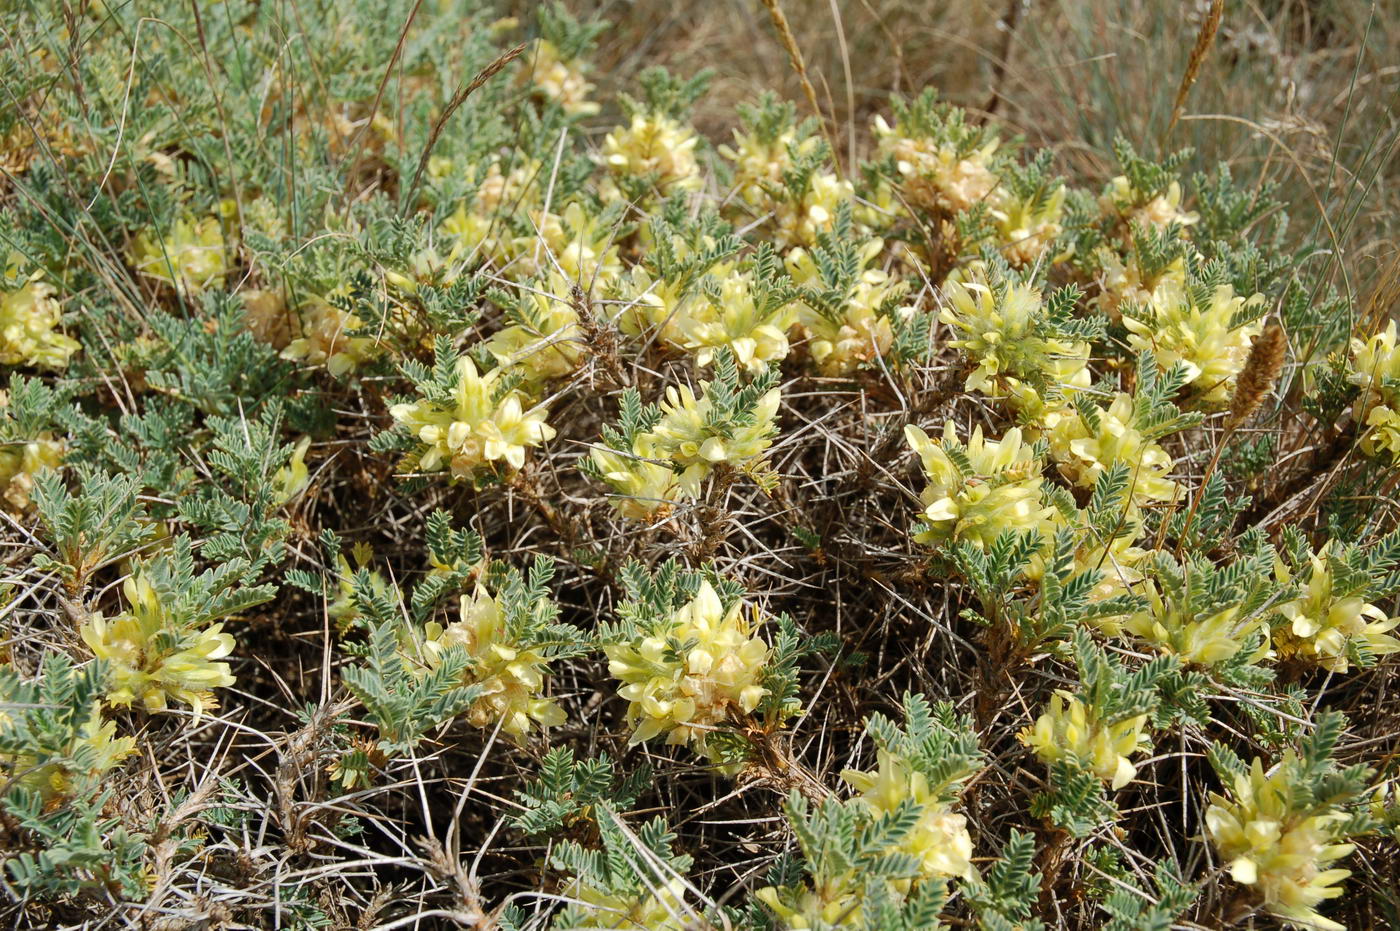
[1083, 455]
[758, 163]
[152, 659]
[1068, 730]
[53, 780]
[561, 80]
[939, 841]
[998, 329]
[1002, 493]
[292, 479]
[713, 680]
[642, 486]
[935, 176]
[546, 341]
[655, 146]
[1282, 854]
[189, 256]
[332, 337]
[1372, 363]
[862, 333]
[685, 437]
[1174, 625]
[30, 317]
[662, 909]
[1320, 625]
[21, 462]
[1027, 231]
[1122, 282]
[1174, 327]
[756, 336]
[478, 430]
[511, 674]
[1159, 212]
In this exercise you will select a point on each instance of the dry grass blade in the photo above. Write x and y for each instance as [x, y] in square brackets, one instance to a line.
[484, 75]
[799, 65]
[1204, 40]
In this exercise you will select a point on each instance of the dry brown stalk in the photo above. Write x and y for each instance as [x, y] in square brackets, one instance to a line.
[1204, 39]
[1260, 374]
[789, 41]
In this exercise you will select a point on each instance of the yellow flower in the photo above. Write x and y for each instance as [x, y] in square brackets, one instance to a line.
[1372, 363]
[1002, 492]
[838, 906]
[576, 243]
[189, 256]
[1282, 854]
[643, 483]
[29, 321]
[1068, 729]
[332, 337]
[939, 841]
[1083, 455]
[654, 146]
[292, 479]
[936, 175]
[756, 335]
[1177, 329]
[800, 221]
[758, 163]
[1176, 629]
[478, 430]
[1027, 231]
[1122, 282]
[863, 332]
[20, 462]
[1134, 206]
[703, 671]
[546, 341]
[54, 780]
[1321, 625]
[561, 80]
[152, 659]
[663, 909]
[512, 674]
[999, 329]
[686, 437]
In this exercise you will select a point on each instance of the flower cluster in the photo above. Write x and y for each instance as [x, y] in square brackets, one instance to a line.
[22, 460]
[654, 147]
[333, 337]
[30, 317]
[938, 841]
[509, 671]
[1088, 440]
[1283, 852]
[848, 323]
[1199, 623]
[1069, 729]
[156, 657]
[91, 750]
[561, 80]
[1375, 368]
[979, 490]
[945, 165]
[700, 671]
[1208, 329]
[189, 256]
[480, 424]
[1325, 625]
[1006, 328]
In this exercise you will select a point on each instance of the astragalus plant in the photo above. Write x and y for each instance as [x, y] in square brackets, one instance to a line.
[451, 477]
